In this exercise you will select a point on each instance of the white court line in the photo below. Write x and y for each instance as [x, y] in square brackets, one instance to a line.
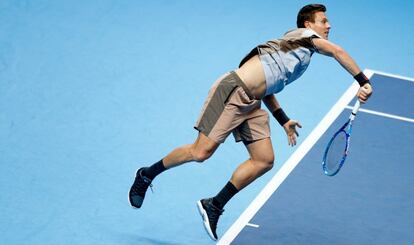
[252, 225]
[369, 73]
[384, 114]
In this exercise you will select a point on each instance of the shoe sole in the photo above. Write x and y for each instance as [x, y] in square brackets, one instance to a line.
[206, 223]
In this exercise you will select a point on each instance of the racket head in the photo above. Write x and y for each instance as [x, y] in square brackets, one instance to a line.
[336, 152]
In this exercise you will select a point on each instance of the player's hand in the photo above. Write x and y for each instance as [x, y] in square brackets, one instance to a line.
[291, 132]
[364, 93]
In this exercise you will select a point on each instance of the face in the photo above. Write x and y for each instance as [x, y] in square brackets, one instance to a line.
[320, 25]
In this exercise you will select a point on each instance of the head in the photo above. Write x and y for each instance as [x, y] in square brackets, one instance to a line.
[313, 16]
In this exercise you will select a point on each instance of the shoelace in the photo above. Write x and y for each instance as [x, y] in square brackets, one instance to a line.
[142, 185]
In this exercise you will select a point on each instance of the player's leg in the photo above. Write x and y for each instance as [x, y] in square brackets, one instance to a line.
[199, 151]
[255, 133]
[217, 120]
[260, 161]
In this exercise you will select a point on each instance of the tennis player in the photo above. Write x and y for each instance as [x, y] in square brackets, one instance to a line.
[233, 105]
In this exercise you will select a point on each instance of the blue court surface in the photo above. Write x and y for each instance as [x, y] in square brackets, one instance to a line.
[370, 201]
[92, 90]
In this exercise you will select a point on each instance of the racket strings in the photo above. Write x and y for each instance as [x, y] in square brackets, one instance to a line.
[336, 153]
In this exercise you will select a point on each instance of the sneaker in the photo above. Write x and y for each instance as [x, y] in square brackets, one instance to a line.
[138, 189]
[210, 214]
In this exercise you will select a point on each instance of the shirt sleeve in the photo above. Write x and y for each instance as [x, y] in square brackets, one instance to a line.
[309, 36]
[313, 45]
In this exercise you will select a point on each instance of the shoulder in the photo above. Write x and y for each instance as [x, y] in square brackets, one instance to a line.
[303, 37]
[301, 33]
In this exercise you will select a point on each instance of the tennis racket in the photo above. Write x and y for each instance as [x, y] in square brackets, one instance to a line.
[337, 149]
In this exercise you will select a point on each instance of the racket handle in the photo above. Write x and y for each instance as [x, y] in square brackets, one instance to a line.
[355, 110]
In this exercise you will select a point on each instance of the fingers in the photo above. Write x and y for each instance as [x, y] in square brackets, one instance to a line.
[361, 96]
[300, 126]
[362, 100]
[292, 140]
[364, 93]
[292, 133]
[296, 132]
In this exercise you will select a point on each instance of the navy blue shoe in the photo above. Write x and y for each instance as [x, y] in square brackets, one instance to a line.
[138, 189]
[210, 214]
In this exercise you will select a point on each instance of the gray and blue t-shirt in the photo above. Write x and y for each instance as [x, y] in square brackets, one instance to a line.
[284, 60]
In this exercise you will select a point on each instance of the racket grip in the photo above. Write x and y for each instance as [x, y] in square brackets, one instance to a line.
[355, 109]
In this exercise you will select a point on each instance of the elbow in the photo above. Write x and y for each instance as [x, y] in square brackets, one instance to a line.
[338, 52]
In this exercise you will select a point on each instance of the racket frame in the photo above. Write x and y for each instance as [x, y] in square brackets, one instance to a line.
[347, 129]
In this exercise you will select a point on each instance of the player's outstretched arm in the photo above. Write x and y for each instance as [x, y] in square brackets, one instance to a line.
[328, 48]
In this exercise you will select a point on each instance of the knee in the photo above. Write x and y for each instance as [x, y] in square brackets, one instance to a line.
[200, 155]
[266, 164]
[269, 165]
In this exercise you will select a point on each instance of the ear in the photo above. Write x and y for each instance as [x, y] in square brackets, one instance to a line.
[307, 24]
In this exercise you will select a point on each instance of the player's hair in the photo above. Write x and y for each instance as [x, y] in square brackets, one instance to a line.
[306, 13]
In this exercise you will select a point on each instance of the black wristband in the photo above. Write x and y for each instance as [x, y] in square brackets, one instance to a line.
[361, 79]
[280, 116]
